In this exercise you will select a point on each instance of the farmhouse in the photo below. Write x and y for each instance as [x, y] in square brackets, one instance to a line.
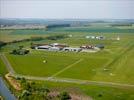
[72, 49]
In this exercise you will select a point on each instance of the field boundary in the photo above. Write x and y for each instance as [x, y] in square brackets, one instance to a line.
[66, 80]
[76, 81]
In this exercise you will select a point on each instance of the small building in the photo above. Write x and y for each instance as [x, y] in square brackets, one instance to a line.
[70, 35]
[95, 37]
[34, 46]
[118, 38]
[87, 37]
[58, 45]
[72, 49]
[101, 46]
[90, 37]
[55, 49]
[54, 44]
[100, 37]
[45, 47]
[87, 47]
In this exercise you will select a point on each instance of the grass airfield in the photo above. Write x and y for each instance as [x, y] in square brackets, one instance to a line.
[117, 57]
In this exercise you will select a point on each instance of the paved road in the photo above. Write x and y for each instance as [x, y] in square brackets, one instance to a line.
[68, 80]
[5, 91]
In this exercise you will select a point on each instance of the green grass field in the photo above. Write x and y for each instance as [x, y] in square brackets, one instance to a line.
[106, 92]
[115, 57]
[3, 69]
[34, 62]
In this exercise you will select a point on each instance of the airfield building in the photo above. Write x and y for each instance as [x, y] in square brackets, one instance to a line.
[95, 37]
[45, 47]
[101, 46]
[87, 47]
[72, 49]
[63, 47]
[55, 49]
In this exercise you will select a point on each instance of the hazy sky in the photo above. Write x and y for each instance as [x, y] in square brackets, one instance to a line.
[89, 9]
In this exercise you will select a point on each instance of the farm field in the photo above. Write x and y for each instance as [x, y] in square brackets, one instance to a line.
[10, 35]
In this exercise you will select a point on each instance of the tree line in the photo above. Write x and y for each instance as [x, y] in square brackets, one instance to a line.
[33, 91]
[37, 38]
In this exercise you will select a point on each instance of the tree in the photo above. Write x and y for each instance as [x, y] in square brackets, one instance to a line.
[56, 37]
[14, 51]
[25, 95]
[2, 44]
[36, 38]
[20, 47]
[26, 51]
[64, 96]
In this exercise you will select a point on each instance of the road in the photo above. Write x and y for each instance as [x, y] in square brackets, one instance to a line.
[67, 80]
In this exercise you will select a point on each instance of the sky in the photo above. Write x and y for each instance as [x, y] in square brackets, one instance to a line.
[66, 9]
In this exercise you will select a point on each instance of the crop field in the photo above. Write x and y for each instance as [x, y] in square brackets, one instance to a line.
[95, 29]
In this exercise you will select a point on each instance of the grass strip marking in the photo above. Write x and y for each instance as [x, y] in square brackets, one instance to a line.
[69, 80]
[77, 81]
[129, 47]
[69, 66]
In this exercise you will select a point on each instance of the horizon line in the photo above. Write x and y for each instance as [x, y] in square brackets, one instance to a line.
[71, 18]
